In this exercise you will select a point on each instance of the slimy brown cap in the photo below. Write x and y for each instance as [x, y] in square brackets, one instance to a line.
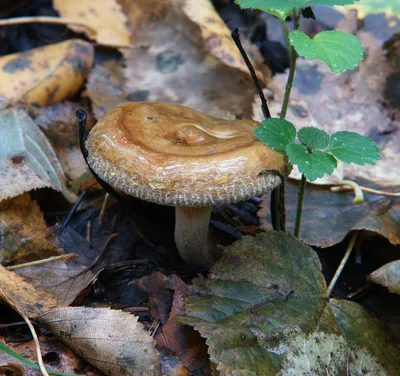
[173, 155]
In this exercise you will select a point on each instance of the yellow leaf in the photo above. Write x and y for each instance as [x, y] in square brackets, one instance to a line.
[45, 75]
[103, 15]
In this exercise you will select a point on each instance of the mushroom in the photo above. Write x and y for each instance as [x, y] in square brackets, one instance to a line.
[173, 155]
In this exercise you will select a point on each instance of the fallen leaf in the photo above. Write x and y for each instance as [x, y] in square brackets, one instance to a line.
[23, 231]
[58, 122]
[47, 74]
[388, 275]
[174, 63]
[27, 160]
[327, 217]
[106, 88]
[24, 296]
[389, 7]
[105, 16]
[57, 357]
[113, 341]
[351, 101]
[263, 311]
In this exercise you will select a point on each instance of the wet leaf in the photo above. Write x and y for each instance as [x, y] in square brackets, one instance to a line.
[27, 160]
[24, 296]
[276, 133]
[23, 231]
[47, 74]
[328, 217]
[263, 311]
[105, 16]
[313, 165]
[351, 147]
[388, 275]
[313, 138]
[111, 340]
[174, 62]
[340, 51]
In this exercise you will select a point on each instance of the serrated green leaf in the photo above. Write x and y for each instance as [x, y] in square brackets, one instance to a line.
[313, 138]
[288, 4]
[276, 133]
[313, 165]
[340, 51]
[350, 147]
[263, 312]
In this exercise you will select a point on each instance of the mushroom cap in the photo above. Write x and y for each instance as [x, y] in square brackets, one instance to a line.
[173, 155]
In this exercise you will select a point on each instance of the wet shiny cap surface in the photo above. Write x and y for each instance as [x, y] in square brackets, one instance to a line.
[173, 155]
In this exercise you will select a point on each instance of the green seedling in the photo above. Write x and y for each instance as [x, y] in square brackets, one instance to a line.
[313, 150]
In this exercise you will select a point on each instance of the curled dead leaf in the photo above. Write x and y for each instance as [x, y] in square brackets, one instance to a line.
[105, 16]
[47, 74]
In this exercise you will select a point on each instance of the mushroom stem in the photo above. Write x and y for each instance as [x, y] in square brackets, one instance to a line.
[191, 234]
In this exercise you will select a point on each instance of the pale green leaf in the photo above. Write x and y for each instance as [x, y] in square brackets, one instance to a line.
[27, 159]
[266, 5]
[340, 51]
[276, 133]
[313, 165]
[313, 138]
[263, 312]
[351, 147]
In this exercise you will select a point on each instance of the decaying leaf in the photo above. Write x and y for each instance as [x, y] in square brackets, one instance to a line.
[104, 16]
[351, 101]
[262, 311]
[327, 217]
[388, 275]
[60, 357]
[175, 63]
[47, 74]
[27, 160]
[59, 124]
[113, 341]
[106, 88]
[182, 340]
[23, 232]
[24, 296]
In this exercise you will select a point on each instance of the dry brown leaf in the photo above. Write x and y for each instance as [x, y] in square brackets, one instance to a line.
[174, 64]
[57, 356]
[24, 296]
[45, 75]
[105, 16]
[346, 102]
[113, 341]
[23, 231]
[388, 275]
[216, 35]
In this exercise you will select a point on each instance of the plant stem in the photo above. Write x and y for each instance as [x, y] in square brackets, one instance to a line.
[264, 106]
[342, 263]
[303, 182]
[292, 63]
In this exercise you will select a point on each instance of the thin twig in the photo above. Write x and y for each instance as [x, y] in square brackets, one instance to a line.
[89, 231]
[303, 183]
[43, 261]
[103, 208]
[264, 104]
[74, 208]
[48, 20]
[342, 263]
[348, 185]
